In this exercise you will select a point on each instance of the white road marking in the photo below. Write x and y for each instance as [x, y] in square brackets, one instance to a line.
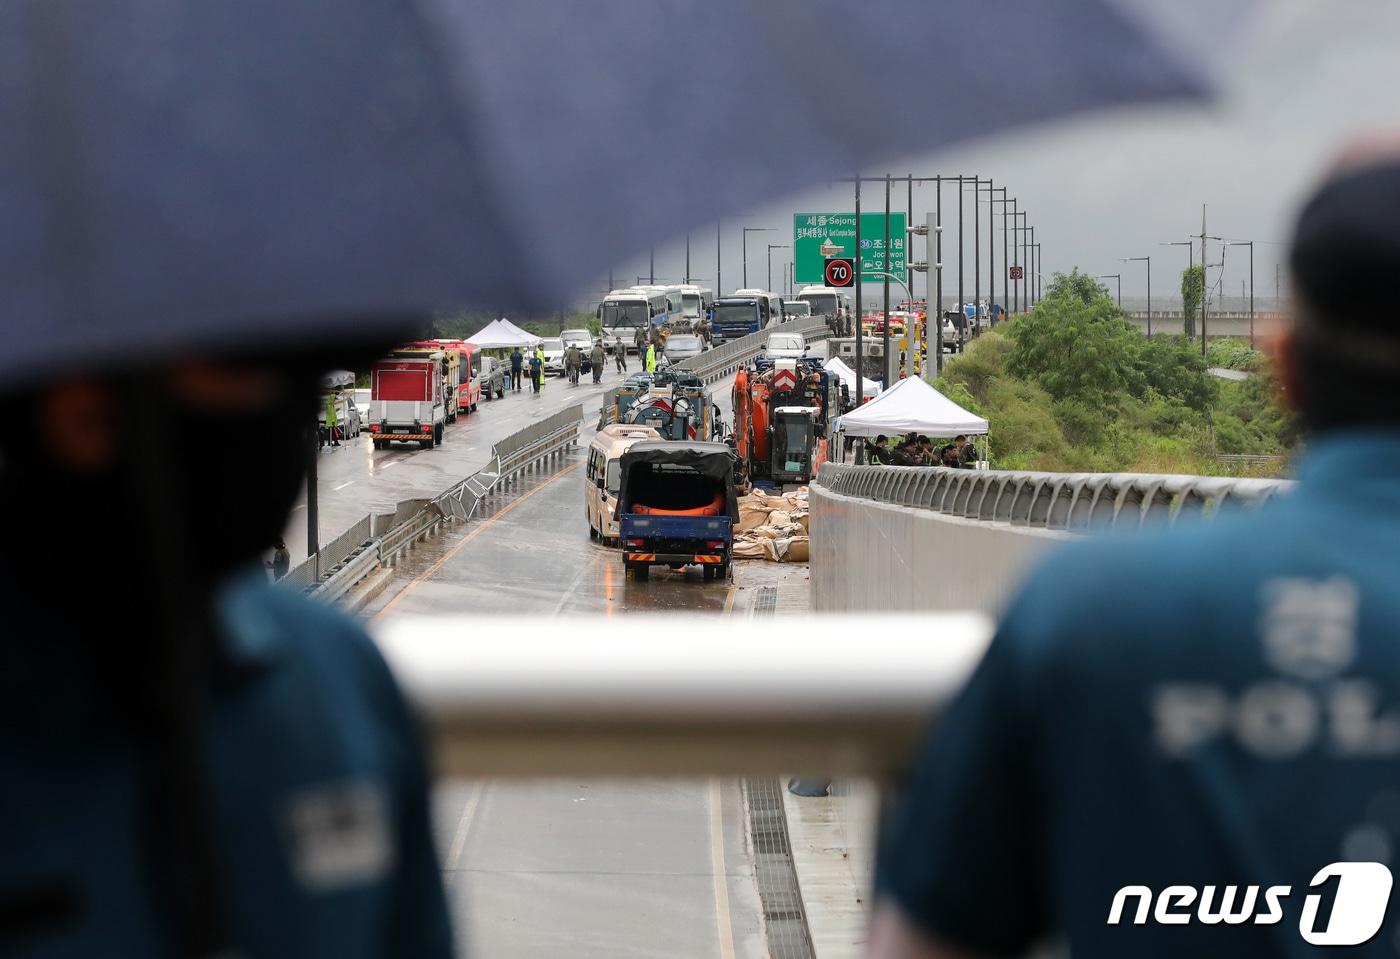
[464, 827]
[388, 463]
[723, 923]
[343, 485]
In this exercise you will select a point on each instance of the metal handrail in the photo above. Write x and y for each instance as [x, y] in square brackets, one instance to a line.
[1060, 501]
[597, 700]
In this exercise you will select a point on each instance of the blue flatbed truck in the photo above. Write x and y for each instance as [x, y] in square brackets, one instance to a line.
[677, 507]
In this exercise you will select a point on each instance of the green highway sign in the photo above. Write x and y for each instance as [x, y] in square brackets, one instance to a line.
[817, 237]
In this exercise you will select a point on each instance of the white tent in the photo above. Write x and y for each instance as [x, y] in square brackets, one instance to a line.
[502, 334]
[911, 406]
[848, 376]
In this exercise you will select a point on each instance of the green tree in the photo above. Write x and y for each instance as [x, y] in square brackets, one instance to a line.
[1193, 288]
[1077, 343]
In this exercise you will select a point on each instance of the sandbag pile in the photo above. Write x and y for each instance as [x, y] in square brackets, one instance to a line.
[772, 526]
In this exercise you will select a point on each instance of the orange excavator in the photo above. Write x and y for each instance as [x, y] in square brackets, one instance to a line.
[780, 420]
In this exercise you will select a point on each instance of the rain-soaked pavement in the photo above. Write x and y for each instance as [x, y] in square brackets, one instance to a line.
[590, 868]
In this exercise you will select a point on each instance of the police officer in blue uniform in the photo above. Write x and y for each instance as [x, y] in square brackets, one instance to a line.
[1188, 743]
[192, 762]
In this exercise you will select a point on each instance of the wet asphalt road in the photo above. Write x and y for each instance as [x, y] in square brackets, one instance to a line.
[356, 479]
[538, 870]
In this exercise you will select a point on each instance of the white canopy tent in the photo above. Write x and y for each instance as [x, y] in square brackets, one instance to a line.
[911, 406]
[502, 334]
[848, 376]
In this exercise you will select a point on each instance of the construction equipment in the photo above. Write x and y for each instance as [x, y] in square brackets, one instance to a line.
[674, 403]
[781, 422]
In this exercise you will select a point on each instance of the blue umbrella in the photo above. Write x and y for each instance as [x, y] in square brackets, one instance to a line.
[221, 174]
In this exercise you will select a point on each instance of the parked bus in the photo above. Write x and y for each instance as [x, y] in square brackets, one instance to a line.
[770, 306]
[622, 312]
[696, 301]
[600, 485]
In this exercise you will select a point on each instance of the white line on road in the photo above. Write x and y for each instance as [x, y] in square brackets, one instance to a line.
[387, 463]
[343, 485]
[464, 828]
[724, 925]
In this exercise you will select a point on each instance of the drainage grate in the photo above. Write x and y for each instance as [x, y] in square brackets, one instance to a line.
[785, 921]
[766, 602]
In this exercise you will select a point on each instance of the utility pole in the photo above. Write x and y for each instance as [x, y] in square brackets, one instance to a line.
[1205, 283]
[651, 272]
[687, 257]
[1278, 303]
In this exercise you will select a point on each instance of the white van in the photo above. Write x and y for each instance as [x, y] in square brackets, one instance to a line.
[604, 477]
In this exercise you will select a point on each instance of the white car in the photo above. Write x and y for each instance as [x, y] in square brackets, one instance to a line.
[583, 339]
[553, 350]
[785, 346]
[682, 346]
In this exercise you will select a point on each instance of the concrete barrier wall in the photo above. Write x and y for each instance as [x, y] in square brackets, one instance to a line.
[869, 556]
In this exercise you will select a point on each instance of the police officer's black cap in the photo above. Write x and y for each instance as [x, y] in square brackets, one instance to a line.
[1346, 253]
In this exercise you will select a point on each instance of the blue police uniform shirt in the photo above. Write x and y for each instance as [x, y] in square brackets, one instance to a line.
[316, 777]
[1211, 706]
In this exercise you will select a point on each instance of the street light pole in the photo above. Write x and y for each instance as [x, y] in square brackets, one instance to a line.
[1250, 244]
[1037, 285]
[937, 310]
[1015, 248]
[687, 257]
[719, 273]
[1119, 278]
[651, 270]
[976, 253]
[885, 264]
[1148, 261]
[771, 248]
[1030, 278]
[962, 327]
[745, 250]
[860, 341]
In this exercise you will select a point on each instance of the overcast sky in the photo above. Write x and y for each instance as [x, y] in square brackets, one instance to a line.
[1307, 74]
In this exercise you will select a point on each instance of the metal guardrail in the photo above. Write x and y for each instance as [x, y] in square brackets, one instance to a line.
[1059, 501]
[357, 554]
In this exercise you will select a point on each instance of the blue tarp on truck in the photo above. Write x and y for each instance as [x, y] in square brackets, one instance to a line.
[677, 506]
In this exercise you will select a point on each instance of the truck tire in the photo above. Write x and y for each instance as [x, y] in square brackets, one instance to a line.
[642, 572]
[710, 573]
[501, 392]
[380, 444]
